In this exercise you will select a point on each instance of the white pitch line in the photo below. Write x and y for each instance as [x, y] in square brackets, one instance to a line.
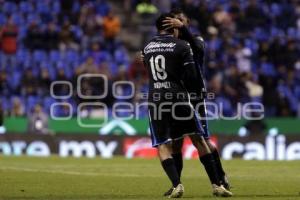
[73, 172]
[68, 172]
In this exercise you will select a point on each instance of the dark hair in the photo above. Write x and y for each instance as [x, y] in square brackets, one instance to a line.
[159, 22]
[176, 11]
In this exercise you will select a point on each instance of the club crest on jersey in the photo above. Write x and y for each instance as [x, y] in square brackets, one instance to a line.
[159, 46]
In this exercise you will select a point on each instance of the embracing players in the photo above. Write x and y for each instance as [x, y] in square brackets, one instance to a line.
[173, 74]
[180, 21]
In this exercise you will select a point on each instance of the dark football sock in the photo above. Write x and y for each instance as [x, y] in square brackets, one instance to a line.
[210, 167]
[170, 169]
[220, 170]
[178, 162]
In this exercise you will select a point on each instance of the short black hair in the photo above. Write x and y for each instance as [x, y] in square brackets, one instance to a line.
[177, 11]
[159, 22]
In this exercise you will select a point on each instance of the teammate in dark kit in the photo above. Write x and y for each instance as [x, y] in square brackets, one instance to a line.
[172, 73]
[198, 47]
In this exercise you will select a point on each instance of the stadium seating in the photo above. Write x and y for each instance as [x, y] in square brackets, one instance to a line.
[281, 23]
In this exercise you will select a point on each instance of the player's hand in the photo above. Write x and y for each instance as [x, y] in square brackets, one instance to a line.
[172, 23]
[142, 57]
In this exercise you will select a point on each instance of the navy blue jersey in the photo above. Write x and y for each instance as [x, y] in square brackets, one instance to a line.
[198, 47]
[172, 76]
[171, 68]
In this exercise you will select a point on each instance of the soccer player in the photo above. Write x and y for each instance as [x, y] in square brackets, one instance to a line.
[198, 47]
[172, 71]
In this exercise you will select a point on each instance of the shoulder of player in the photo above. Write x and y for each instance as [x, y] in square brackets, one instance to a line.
[182, 44]
[199, 38]
[199, 42]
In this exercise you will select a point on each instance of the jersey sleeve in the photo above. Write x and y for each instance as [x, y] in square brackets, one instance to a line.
[190, 75]
[187, 55]
[197, 43]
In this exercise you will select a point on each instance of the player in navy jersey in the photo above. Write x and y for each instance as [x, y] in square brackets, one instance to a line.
[198, 47]
[173, 74]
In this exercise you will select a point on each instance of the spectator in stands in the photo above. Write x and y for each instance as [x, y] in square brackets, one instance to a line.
[105, 69]
[8, 40]
[137, 71]
[5, 89]
[88, 67]
[122, 75]
[18, 109]
[264, 51]
[98, 54]
[51, 37]
[215, 84]
[254, 16]
[34, 37]
[233, 84]
[61, 74]
[146, 7]
[255, 91]
[146, 14]
[223, 19]
[29, 83]
[199, 14]
[264, 43]
[67, 38]
[111, 28]
[38, 121]
[66, 10]
[61, 89]
[235, 10]
[88, 16]
[270, 96]
[243, 57]
[290, 54]
[44, 82]
[91, 24]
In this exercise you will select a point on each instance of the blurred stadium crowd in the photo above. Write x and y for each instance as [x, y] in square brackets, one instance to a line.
[252, 55]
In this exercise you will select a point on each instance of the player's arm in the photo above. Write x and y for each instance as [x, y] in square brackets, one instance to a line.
[190, 75]
[196, 42]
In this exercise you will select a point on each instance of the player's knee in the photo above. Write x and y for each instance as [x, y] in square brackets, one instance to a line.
[164, 151]
[200, 144]
[196, 139]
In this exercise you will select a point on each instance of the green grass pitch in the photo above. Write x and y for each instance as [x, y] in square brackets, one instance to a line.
[138, 179]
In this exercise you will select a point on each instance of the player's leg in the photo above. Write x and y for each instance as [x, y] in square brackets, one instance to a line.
[220, 170]
[207, 160]
[177, 157]
[203, 119]
[161, 139]
[168, 164]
